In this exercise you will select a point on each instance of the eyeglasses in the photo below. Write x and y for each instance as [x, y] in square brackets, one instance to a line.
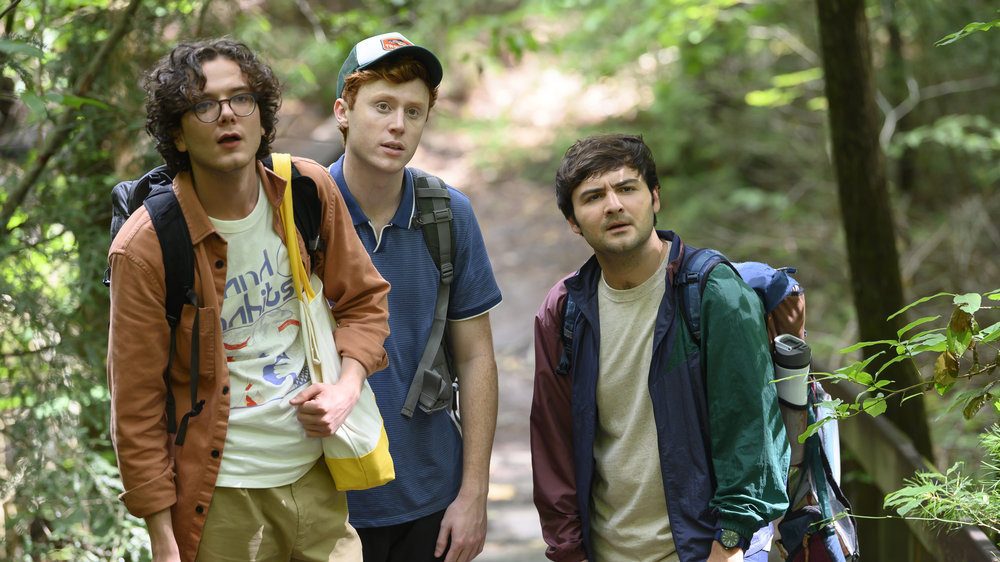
[208, 111]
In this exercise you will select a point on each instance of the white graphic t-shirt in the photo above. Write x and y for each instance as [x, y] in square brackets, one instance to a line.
[266, 445]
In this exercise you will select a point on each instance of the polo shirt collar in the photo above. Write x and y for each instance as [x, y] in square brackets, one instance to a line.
[405, 213]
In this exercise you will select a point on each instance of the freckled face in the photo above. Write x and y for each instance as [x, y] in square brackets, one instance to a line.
[385, 124]
[614, 211]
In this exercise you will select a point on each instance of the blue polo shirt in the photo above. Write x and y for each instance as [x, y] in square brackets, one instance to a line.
[426, 449]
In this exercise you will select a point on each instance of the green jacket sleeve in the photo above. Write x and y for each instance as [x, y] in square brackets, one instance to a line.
[750, 453]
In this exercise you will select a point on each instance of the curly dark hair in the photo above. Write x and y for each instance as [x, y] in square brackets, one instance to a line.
[592, 156]
[174, 84]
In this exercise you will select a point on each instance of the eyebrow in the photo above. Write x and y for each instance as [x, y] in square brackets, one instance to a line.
[623, 183]
[226, 94]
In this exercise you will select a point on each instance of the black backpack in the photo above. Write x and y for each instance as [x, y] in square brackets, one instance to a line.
[153, 190]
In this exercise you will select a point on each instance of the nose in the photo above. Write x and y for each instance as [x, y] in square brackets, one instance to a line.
[613, 204]
[398, 122]
[226, 112]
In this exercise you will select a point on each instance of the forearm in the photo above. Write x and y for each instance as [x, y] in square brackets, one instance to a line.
[472, 348]
[352, 372]
[478, 404]
[161, 536]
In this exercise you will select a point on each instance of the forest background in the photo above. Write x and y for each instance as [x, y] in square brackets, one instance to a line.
[729, 94]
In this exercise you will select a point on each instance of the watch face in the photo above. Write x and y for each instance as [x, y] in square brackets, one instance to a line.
[729, 538]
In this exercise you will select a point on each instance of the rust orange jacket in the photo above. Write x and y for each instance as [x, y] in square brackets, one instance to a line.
[158, 475]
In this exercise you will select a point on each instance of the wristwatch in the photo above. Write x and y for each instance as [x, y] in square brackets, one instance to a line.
[731, 539]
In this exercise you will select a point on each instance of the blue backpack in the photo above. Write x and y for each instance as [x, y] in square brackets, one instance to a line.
[816, 527]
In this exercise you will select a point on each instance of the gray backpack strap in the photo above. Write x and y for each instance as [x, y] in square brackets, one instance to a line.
[434, 386]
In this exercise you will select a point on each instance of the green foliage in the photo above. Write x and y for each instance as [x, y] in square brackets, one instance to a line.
[726, 92]
[969, 29]
[962, 352]
[952, 499]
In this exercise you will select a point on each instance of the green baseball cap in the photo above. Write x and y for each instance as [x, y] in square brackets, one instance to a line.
[385, 47]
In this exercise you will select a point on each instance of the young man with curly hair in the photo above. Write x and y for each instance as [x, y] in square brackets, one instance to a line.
[436, 507]
[646, 446]
[247, 481]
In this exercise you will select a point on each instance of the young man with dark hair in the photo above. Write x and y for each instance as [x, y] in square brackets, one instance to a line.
[649, 447]
[244, 474]
[436, 507]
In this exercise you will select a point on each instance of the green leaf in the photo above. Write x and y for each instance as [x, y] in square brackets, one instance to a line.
[916, 323]
[969, 29]
[875, 406]
[976, 404]
[891, 362]
[36, 106]
[916, 302]
[969, 302]
[928, 342]
[76, 102]
[959, 331]
[9, 47]
[813, 428]
[797, 78]
[856, 371]
[943, 389]
[861, 345]
[989, 333]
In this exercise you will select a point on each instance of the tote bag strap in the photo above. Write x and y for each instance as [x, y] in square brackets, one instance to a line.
[283, 167]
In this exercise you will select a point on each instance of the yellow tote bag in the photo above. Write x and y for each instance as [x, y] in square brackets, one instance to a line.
[358, 453]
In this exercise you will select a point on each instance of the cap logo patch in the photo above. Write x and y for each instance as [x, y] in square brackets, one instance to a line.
[392, 43]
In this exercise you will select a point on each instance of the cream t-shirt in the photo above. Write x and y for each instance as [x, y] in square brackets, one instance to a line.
[629, 509]
[266, 446]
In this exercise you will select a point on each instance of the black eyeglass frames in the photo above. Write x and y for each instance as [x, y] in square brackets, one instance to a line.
[208, 111]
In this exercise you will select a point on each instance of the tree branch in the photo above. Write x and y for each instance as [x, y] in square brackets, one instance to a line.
[26, 352]
[9, 9]
[916, 95]
[67, 121]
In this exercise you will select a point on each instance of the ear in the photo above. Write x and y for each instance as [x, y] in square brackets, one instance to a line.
[179, 142]
[656, 199]
[340, 112]
[573, 226]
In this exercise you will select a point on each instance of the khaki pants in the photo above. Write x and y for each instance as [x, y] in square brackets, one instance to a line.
[304, 521]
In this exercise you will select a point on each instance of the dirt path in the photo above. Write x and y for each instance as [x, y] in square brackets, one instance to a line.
[531, 247]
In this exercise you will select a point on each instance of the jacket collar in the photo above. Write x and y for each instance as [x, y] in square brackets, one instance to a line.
[583, 285]
[197, 219]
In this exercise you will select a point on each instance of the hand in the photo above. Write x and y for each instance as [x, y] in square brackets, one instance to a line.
[465, 522]
[324, 407]
[722, 554]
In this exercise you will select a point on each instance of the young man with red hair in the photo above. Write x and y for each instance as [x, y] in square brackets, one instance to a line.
[435, 509]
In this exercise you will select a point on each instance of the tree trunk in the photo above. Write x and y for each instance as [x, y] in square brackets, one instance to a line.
[905, 172]
[864, 199]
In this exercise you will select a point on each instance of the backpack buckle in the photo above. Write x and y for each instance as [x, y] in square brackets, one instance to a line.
[447, 273]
